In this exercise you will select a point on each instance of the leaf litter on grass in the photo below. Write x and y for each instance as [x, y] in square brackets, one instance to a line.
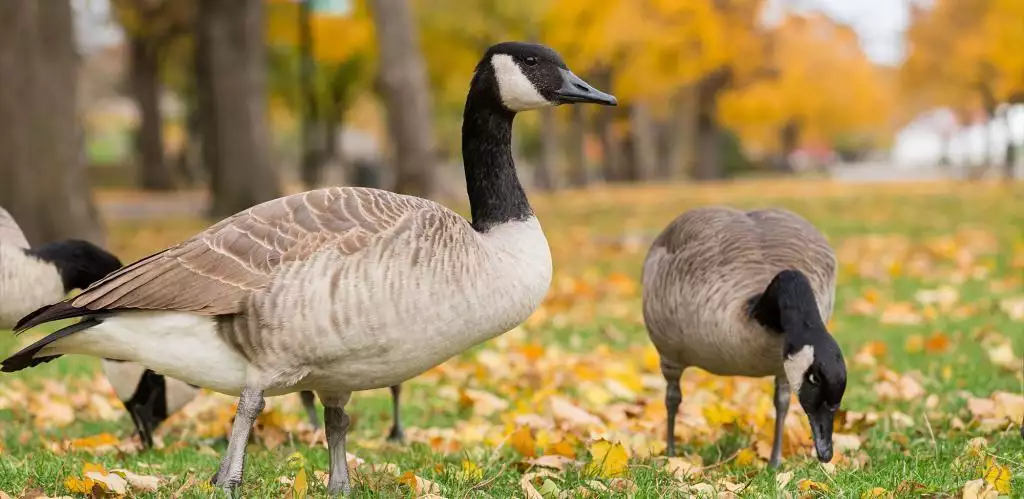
[565, 405]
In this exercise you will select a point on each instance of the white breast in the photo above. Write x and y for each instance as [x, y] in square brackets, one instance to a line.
[26, 284]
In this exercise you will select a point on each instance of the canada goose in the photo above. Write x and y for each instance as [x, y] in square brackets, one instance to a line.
[747, 294]
[151, 398]
[340, 289]
[31, 278]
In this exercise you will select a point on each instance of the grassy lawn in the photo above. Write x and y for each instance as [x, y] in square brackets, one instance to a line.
[930, 315]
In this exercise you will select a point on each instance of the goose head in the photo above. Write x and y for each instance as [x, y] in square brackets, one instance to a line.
[817, 373]
[811, 358]
[523, 76]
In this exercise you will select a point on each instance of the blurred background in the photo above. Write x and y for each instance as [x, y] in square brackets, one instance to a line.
[204, 108]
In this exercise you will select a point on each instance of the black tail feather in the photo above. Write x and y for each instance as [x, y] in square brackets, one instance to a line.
[26, 357]
[55, 312]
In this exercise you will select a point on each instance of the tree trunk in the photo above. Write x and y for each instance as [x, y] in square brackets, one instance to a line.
[645, 145]
[1010, 159]
[313, 147]
[682, 132]
[708, 165]
[789, 137]
[154, 172]
[544, 175]
[604, 119]
[44, 182]
[231, 88]
[577, 157]
[403, 85]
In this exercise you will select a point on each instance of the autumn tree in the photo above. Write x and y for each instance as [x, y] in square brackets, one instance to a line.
[402, 82]
[151, 27]
[323, 61]
[965, 54]
[824, 88]
[231, 91]
[44, 183]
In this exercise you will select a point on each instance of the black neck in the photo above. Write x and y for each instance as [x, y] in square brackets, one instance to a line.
[495, 194]
[788, 306]
[79, 263]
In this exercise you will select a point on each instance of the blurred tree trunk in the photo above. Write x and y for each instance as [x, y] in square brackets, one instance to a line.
[547, 164]
[789, 137]
[708, 163]
[403, 85]
[314, 154]
[231, 91]
[604, 119]
[682, 130]
[577, 155]
[645, 145]
[1010, 159]
[44, 182]
[154, 172]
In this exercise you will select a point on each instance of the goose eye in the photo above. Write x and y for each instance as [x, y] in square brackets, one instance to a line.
[812, 379]
[531, 61]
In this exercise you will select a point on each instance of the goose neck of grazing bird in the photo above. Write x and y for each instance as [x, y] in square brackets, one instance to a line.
[788, 306]
[79, 263]
[495, 194]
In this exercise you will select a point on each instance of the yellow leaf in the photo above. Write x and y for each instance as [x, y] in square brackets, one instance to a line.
[745, 457]
[875, 493]
[471, 472]
[101, 440]
[79, 485]
[914, 343]
[523, 442]
[608, 459]
[806, 485]
[997, 476]
[564, 447]
[300, 486]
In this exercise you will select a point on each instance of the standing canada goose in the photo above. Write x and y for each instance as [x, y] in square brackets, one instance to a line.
[151, 398]
[340, 289]
[747, 294]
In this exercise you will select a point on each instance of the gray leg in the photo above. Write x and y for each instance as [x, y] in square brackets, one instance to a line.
[673, 397]
[336, 424]
[250, 404]
[309, 402]
[781, 409]
[396, 434]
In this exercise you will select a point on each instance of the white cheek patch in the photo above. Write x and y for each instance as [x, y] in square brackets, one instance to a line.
[796, 366]
[517, 93]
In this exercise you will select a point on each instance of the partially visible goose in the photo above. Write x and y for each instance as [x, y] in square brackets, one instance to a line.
[747, 294]
[341, 289]
[151, 398]
[31, 278]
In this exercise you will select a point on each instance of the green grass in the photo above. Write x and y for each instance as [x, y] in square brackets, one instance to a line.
[585, 231]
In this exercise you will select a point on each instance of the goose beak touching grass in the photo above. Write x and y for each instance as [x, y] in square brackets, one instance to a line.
[747, 294]
[336, 290]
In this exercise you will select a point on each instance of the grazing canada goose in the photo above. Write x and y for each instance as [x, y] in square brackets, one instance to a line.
[31, 278]
[340, 289]
[151, 398]
[747, 294]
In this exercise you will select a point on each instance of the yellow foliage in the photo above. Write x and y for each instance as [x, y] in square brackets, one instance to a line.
[823, 83]
[336, 38]
[608, 459]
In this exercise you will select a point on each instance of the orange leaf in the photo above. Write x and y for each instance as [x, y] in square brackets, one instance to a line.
[937, 343]
[523, 442]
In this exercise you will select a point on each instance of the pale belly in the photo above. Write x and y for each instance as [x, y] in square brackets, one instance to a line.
[752, 353]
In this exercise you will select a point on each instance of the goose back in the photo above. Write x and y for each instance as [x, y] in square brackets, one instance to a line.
[702, 271]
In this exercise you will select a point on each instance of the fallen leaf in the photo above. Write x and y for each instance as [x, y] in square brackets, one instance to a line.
[550, 461]
[526, 484]
[300, 486]
[877, 492]
[978, 489]
[608, 459]
[937, 343]
[783, 479]
[573, 415]
[470, 472]
[745, 457]
[139, 483]
[998, 476]
[419, 486]
[845, 442]
[523, 442]
[682, 468]
[807, 485]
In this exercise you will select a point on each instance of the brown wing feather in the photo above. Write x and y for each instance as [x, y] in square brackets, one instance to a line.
[212, 273]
